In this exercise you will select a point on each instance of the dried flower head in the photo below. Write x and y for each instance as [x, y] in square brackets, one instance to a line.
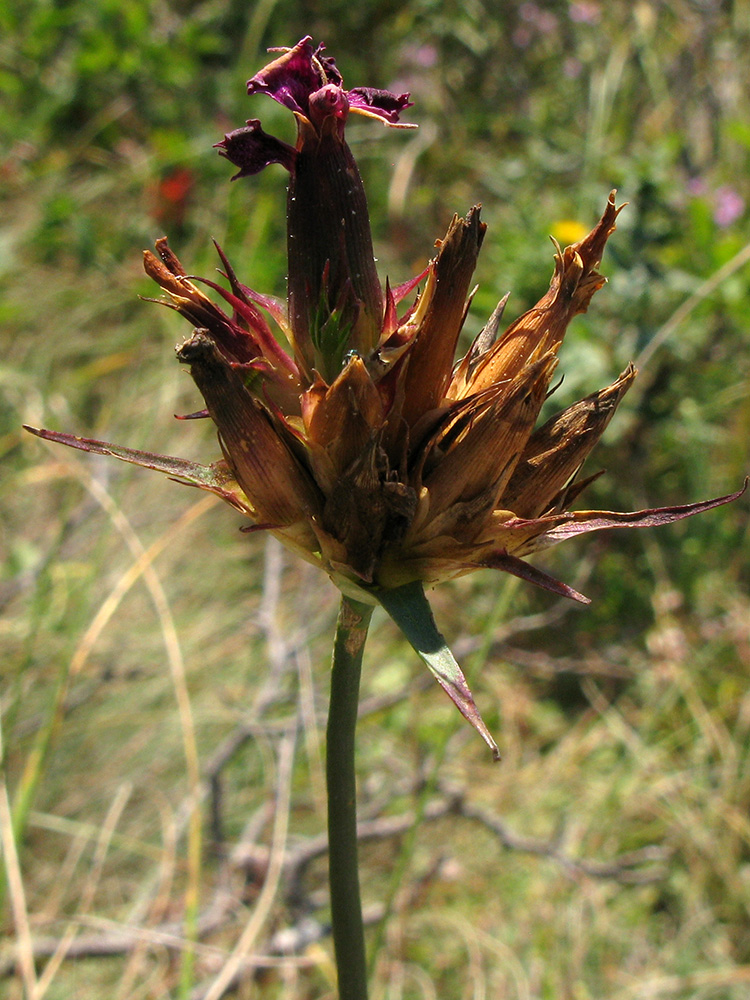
[365, 447]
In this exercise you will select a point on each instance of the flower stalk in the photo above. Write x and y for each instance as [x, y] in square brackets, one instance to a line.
[346, 907]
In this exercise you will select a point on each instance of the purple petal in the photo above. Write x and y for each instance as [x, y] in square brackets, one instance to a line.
[330, 68]
[378, 103]
[292, 77]
[251, 149]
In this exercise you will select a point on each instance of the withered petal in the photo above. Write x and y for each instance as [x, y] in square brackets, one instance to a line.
[439, 316]
[532, 574]
[342, 417]
[187, 299]
[280, 490]
[480, 346]
[267, 345]
[482, 449]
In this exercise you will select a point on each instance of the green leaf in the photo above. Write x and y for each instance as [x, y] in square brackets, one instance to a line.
[410, 610]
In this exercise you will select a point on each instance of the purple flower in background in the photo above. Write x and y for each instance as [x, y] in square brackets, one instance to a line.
[727, 203]
[584, 12]
[728, 206]
[697, 187]
[544, 21]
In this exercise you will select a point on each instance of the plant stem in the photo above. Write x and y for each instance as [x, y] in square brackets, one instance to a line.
[346, 907]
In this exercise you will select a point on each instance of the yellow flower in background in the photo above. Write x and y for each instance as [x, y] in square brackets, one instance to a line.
[567, 231]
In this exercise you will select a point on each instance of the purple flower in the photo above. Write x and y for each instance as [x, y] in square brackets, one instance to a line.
[336, 302]
[728, 206]
[585, 12]
[309, 83]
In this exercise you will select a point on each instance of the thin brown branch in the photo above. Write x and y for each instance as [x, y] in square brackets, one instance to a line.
[631, 868]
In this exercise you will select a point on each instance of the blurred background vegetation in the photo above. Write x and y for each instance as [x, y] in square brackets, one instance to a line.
[608, 856]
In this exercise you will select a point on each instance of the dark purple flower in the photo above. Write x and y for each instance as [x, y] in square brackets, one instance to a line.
[336, 302]
[300, 73]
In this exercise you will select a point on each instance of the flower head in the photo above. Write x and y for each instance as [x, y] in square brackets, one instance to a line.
[367, 448]
[335, 296]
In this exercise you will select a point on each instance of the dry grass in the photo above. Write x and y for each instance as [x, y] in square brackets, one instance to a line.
[604, 856]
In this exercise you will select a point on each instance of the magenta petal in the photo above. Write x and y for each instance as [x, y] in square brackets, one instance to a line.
[291, 78]
[390, 317]
[595, 520]
[517, 567]
[242, 310]
[251, 149]
[401, 291]
[276, 308]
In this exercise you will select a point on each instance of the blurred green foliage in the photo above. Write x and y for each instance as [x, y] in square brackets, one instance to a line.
[537, 109]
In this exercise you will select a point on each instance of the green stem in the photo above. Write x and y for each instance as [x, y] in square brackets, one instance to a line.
[346, 907]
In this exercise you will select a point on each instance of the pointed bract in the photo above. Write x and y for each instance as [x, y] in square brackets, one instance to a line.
[439, 316]
[555, 452]
[410, 610]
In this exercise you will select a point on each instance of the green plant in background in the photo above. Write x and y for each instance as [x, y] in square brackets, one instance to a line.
[364, 447]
